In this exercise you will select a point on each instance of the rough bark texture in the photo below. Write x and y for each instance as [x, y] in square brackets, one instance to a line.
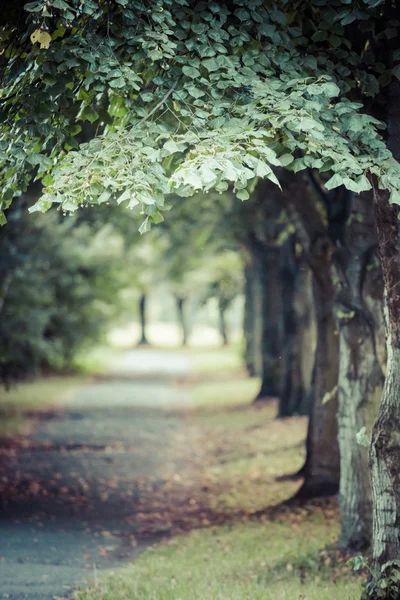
[359, 317]
[142, 313]
[385, 445]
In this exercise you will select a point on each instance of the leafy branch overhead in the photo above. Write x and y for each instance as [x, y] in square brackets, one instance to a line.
[131, 101]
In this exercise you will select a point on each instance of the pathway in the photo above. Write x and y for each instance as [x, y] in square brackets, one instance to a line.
[67, 515]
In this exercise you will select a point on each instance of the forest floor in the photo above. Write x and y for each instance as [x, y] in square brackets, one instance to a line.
[164, 460]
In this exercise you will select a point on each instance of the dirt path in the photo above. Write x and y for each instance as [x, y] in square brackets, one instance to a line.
[70, 495]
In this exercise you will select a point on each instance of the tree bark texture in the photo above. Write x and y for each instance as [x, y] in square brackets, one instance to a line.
[385, 444]
[358, 308]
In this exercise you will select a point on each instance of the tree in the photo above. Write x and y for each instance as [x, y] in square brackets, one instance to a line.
[232, 91]
[60, 289]
[224, 272]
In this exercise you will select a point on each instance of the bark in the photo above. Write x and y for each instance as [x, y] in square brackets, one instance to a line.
[272, 324]
[222, 306]
[143, 323]
[293, 398]
[321, 470]
[252, 316]
[385, 444]
[180, 305]
[359, 317]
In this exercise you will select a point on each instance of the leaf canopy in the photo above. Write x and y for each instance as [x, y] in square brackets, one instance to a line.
[132, 100]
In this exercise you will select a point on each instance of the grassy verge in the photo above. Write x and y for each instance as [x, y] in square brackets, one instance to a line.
[237, 451]
[24, 399]
[249, 561]
[95, 361]
[209, 361]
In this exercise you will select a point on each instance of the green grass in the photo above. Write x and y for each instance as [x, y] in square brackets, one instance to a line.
[223, 394]
[95, 360]
[30, 397]
[215, 360]
[248, 561]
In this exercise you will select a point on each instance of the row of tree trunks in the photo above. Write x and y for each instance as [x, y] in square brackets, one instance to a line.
[347, 377]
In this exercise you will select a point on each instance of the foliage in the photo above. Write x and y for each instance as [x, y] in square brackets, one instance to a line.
[183, 96]
[59, 281]
[383, 583]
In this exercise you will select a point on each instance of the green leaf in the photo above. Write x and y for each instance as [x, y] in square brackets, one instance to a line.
[210, 64]
[394, 196]
[126, 195]
[361, 184]
[286, 159]
[243, 194]
[3, 219]
[145, 226]
[104, 197]
[171, 147]
[40, 206]
[191, 72]
[335, 181]
[60, 4]
[396, 71]
[194, 180]
[89, 114]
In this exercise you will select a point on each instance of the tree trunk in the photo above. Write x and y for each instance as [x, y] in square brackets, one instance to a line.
[252, 316]
[272, 324]
[385, 444]
[294, 301]
[143, 323]
[180, 305]
[321, 470]
[222, 306]
[359, 316]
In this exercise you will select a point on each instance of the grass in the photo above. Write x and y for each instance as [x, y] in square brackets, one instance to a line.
[248, 561]
[95, 361]
[31, 397]
[223, 394]
[209, 361]
[237, 452]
